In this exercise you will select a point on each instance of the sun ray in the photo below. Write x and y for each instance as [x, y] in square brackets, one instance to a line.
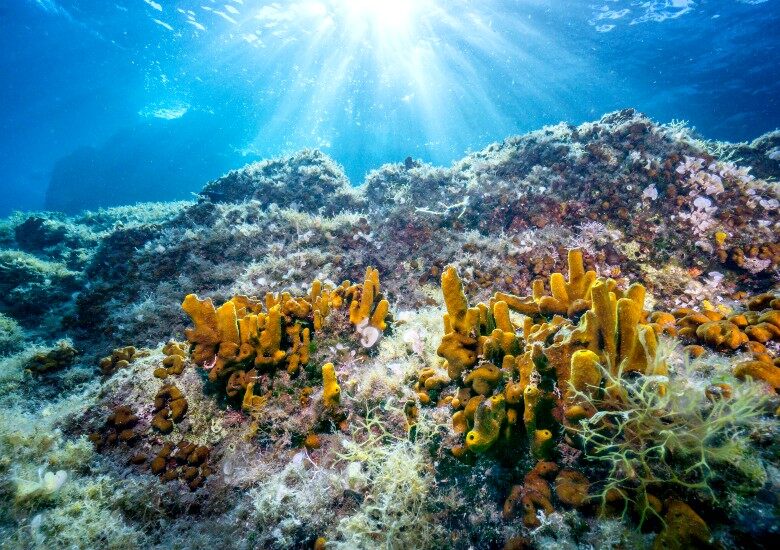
[447, 70]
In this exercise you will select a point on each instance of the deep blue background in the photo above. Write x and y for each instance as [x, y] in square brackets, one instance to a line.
[78, 80]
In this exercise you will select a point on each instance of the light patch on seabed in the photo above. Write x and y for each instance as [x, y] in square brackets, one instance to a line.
[665, 9]
[643, 12]
[163, 24]
[190, 15]
[169, 112]
[252, 38]
[225, 16]
[153, 4]
[273, 14]
[51, 6]
[606, 14]
[195, 24]
[48, 5]
[655, 11]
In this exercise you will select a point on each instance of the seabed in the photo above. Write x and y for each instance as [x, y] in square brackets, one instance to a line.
[567, 340]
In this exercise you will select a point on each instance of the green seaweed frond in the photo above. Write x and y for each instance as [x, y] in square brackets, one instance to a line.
[398, 478]
[656, 433]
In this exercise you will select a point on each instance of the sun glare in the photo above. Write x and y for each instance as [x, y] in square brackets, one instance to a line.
[390, 15]
[338, 64]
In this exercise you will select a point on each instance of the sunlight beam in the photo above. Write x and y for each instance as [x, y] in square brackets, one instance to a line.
[384, 16]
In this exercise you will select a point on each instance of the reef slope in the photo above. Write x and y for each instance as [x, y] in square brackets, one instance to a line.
[250, 439]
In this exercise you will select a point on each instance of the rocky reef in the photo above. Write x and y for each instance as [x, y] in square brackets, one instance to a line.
[568, 339]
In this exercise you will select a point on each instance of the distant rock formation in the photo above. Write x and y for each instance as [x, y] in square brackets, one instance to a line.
[761, 154]
[159, 160]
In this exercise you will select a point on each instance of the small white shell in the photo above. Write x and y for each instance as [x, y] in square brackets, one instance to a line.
[369, 336]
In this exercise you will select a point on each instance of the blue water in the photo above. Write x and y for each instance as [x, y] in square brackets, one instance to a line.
[116, 101]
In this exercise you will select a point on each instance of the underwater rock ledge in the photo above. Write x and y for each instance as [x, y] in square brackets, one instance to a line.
[306, 393]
